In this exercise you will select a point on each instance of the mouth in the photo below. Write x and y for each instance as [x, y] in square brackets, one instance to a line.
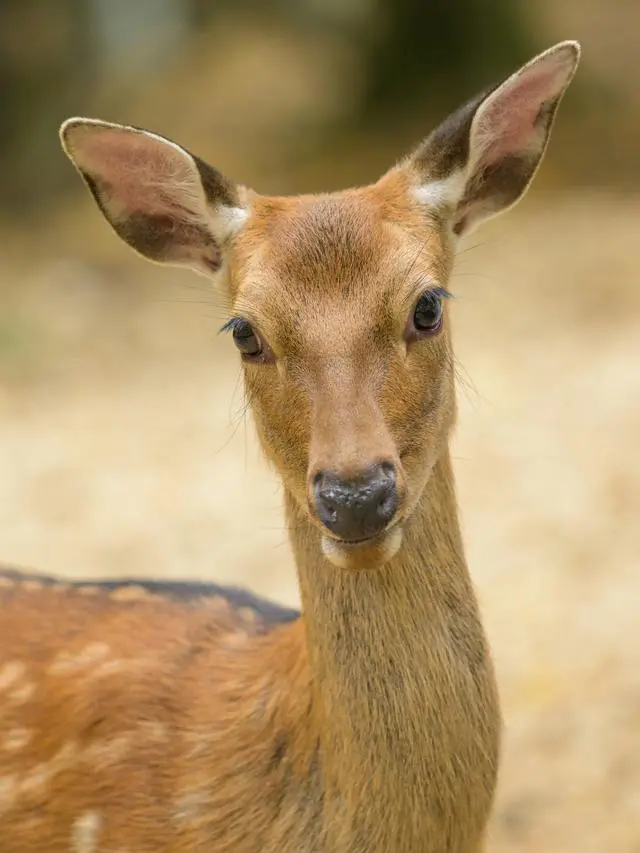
[370, 553]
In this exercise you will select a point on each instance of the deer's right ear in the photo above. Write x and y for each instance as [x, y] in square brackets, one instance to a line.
[162, 201]
[482, 159]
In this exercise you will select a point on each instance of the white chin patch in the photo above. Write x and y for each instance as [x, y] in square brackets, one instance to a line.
[365, 555]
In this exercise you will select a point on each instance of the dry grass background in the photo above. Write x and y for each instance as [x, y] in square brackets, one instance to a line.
[123, 450]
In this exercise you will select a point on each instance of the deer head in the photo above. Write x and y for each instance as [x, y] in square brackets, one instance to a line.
[338, 302]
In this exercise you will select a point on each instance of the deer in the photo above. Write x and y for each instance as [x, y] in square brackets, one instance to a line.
[185, 717]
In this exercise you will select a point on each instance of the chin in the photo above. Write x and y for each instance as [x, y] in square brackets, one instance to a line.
[363, 556]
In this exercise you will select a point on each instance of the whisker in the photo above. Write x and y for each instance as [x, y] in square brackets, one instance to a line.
[465, 251]
[466, 383]
[235, 421]
[464, 274]
[185, 301]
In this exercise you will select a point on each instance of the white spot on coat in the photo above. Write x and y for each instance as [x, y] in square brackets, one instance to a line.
[85, 832]
[91, 654]
[22, 694]
[10, 673]
[8, 792]
[16, 739]
[43, 773]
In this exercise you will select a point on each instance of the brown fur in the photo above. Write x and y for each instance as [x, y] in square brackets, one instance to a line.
[136, 719]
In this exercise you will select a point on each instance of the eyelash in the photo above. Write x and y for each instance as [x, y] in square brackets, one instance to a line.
[442, 292]
[231, 324]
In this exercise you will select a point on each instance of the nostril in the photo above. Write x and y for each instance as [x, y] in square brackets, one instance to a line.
[329, 513]
[324, 500]
[388, 470]
[388, 497]
[388, 503]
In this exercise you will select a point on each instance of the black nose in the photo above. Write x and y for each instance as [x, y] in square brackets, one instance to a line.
[357, 508]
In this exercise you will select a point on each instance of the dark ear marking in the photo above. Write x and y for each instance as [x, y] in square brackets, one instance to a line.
[483, 157]
[446, 149]
[217, 188]
[153, 236]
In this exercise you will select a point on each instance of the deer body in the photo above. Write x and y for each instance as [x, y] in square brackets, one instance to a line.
[197, 725]
[141, 717]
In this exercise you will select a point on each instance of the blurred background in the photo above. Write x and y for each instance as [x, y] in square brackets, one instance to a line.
[124, 443]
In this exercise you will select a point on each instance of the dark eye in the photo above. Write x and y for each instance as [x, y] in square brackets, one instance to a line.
[427, 315]
[246, 339]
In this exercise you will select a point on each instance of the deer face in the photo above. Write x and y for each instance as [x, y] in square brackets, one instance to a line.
[338, 303]
[339, 307]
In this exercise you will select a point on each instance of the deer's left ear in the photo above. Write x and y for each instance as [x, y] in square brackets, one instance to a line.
[168, 205]
[481, 160]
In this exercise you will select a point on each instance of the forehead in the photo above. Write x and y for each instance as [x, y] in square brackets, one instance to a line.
[327, 242]
[342, 256]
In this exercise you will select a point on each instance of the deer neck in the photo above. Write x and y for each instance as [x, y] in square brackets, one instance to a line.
[402, 685]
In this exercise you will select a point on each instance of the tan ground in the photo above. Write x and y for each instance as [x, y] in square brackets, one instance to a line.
[123, 451]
